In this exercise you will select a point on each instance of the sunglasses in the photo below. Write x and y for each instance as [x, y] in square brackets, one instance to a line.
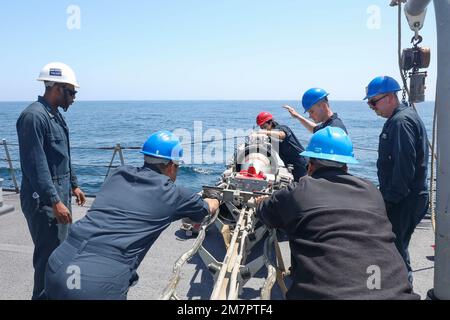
[177, 164]
[71, 92]
[373, 103]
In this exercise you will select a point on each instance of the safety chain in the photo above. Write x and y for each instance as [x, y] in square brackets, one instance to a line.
[405, 88]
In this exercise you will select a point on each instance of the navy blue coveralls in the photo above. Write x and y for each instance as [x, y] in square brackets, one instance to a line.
[131, 210]
[402, 173]
[338, 233]
[289, 151]
[333, 121]
[47, 178]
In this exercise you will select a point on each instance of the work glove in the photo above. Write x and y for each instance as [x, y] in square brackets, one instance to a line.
[212, 194]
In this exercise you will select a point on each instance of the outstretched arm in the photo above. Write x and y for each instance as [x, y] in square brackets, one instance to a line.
[278, 134]
[309, 125]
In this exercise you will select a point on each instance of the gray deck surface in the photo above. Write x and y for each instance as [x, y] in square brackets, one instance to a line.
[16, 270]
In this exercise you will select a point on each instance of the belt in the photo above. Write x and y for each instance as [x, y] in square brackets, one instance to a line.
[61, 177]
[100, 249]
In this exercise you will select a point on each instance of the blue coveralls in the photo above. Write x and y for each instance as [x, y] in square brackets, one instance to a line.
[106, 247]
[402, 173]
[47, 178]
[334, 121]
[289, 151]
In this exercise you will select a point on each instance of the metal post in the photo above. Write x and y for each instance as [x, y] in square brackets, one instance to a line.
[442, 258]
[112, 161]
[1, 192]
[11, 168]
[4, 209]
[119, 147]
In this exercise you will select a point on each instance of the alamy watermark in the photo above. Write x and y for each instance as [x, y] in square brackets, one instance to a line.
[74, 17]
[74, 280]
[219, 146]
[213, 146]
[374, 280]
[374, 20]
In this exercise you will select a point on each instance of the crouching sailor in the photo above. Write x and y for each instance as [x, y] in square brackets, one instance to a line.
[340, 236]
[100, 257]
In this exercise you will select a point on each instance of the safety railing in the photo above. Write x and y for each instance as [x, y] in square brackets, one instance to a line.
[13, 164]
[10, 166]
[117, 152]
[4, 208]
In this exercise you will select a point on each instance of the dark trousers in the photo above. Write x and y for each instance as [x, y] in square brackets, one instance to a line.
[75, 272]
[404, 217]
[45, 232]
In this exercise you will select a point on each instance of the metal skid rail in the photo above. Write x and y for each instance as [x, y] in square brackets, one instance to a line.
[240, 237]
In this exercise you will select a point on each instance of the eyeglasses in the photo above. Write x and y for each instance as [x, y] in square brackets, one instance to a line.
[373, 103]
[176, 164]
[71, 92]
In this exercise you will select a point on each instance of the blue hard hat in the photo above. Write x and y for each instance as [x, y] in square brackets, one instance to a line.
[331, 143]
[165, 145]
[312, 96]
[381, 85]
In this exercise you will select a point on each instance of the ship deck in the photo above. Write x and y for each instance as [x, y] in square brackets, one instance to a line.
[16, 252]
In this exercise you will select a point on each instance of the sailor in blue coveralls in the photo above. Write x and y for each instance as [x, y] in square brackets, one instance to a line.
[47, 174]
[315, 102]
[289, 147]
[402, 162]
[99, 259]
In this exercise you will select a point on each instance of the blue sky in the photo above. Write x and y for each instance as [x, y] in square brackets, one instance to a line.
[204, 49]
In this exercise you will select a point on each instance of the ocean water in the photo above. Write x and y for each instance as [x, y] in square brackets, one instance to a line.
[95, 126]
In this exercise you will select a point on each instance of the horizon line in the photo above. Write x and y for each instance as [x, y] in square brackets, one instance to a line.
[193, 100]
